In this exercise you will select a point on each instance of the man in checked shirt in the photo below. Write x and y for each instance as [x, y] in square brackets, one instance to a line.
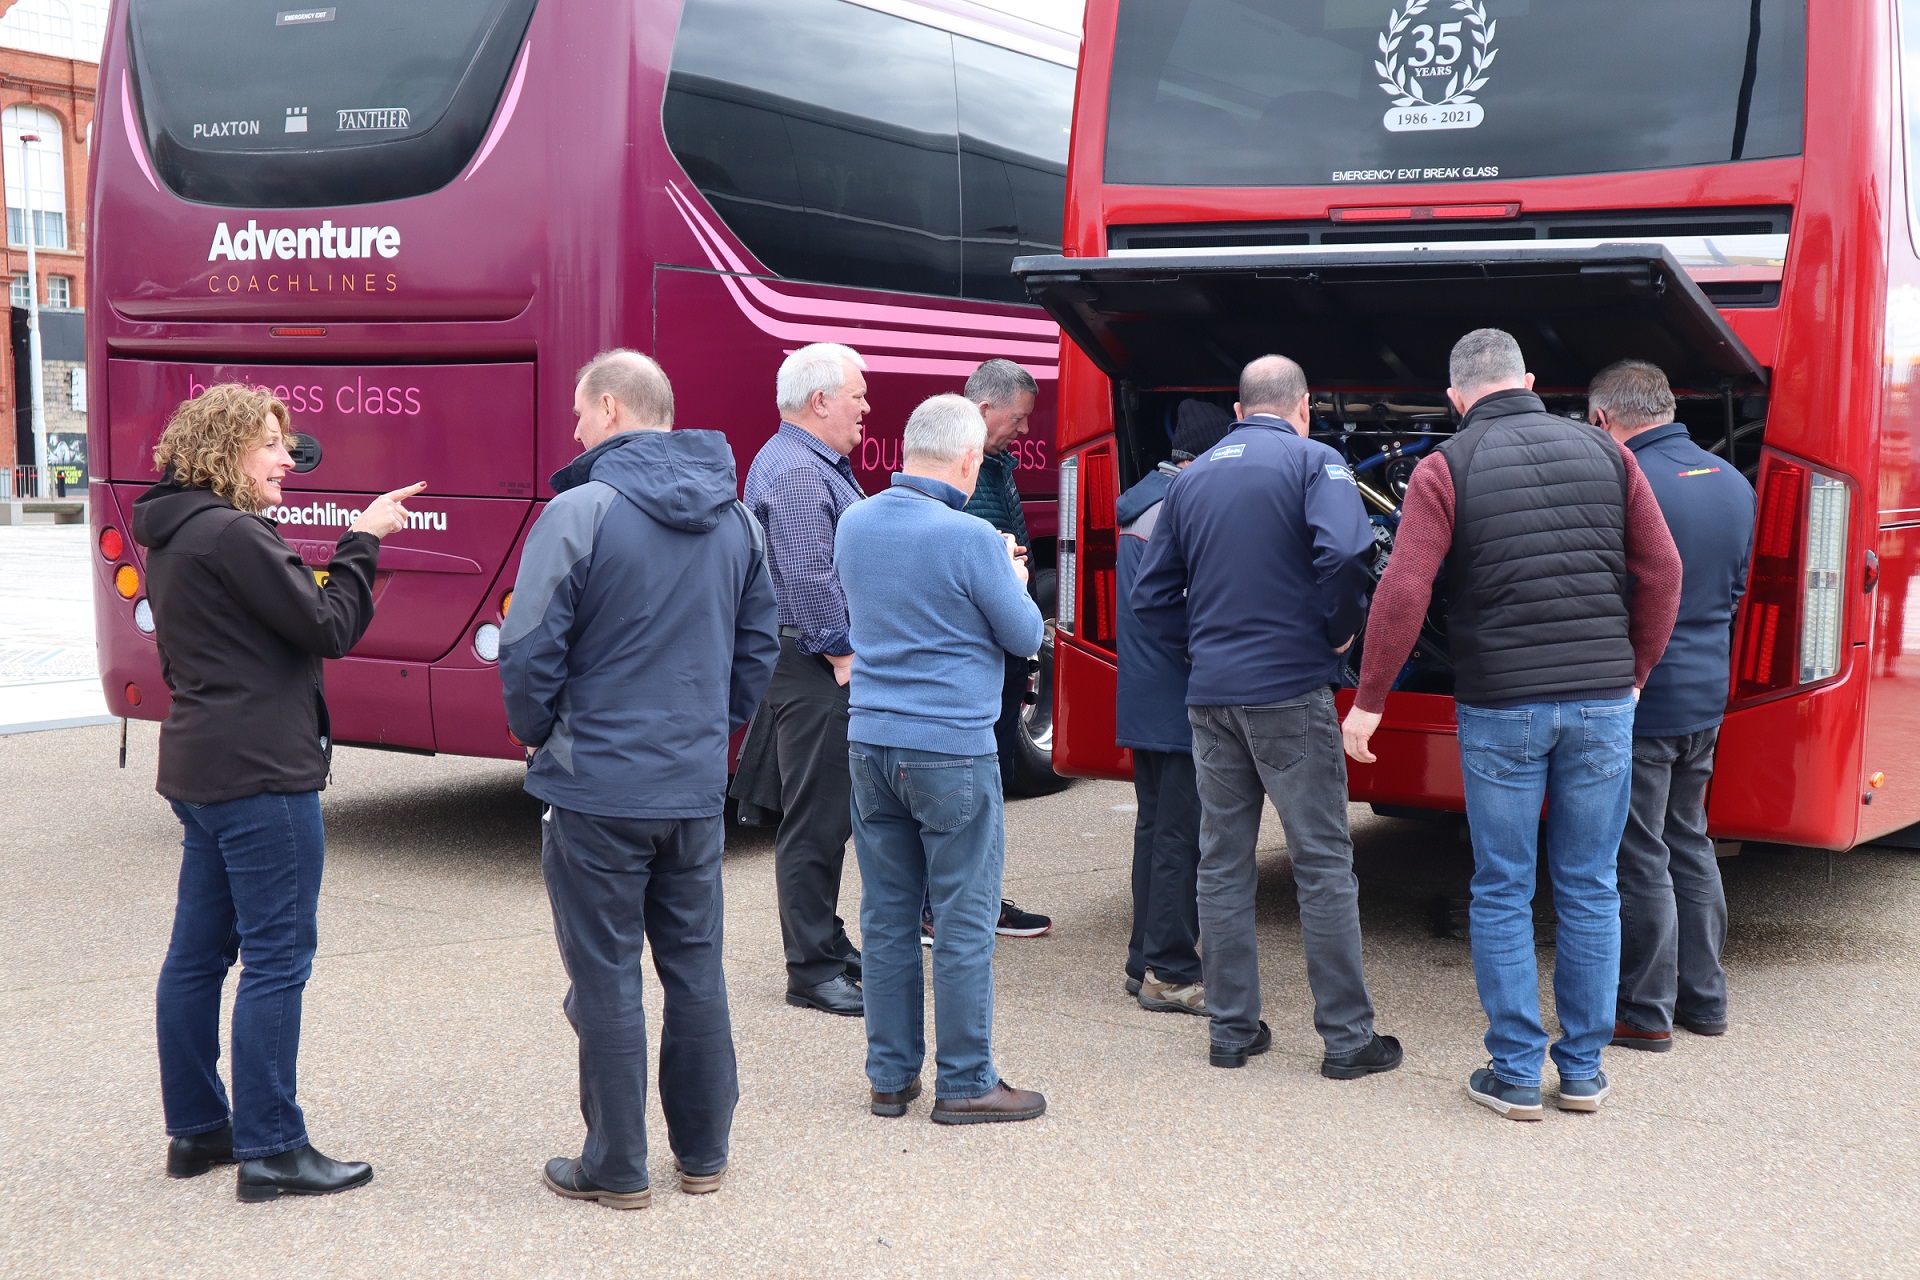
[800, 484]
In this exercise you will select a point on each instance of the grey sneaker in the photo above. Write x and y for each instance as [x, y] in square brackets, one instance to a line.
[1164, 997]
[1514, 1101]
[1583, 1095]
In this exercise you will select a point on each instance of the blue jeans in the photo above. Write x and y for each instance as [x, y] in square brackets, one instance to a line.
[249, 887]
[619, 885]
[926, 824]
[1575, 757]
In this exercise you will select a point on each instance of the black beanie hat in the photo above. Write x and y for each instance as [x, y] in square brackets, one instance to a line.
[1198, 426]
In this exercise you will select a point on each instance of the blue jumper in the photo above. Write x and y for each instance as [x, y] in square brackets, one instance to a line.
[935, 606]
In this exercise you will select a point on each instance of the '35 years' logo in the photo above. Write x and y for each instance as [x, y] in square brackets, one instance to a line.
[1433, 72]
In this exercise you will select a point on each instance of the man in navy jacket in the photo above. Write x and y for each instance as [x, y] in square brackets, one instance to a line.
[642, 634]
[1673, 910]
[1258, 571]
[1163, 956]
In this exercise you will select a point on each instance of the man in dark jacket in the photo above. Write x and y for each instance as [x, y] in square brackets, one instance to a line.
[1257, 571]
[1562, 585]
[642, 636]
[1005, 394]
[1673, 910]
[1163, 957]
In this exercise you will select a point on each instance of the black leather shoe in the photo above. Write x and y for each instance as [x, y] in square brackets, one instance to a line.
[192, 1156]
[895, 1103]
[1382, 1053]
[299, 1172]
[852, 960]
[838, 994]
[1220, 1057]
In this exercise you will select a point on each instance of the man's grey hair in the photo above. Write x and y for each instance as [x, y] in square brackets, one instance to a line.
[819, 367]
[636, 381]
[1632, 393]
[1486, 358]
[1273, 384]
[944, 429]
[1000, 383]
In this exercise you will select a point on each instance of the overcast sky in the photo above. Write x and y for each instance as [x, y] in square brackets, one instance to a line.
[1064, 14]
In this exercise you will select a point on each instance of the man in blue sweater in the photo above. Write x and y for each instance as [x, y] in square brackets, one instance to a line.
[1673, 910]
[936, 599]
[1258, 572]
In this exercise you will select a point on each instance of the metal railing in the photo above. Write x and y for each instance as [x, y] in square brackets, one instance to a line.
[19, 482]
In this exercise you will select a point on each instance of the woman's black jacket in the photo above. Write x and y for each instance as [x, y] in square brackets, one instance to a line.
[242, 626]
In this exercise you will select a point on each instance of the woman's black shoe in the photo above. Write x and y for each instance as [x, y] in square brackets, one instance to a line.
[299, 1172]
[193, 1155]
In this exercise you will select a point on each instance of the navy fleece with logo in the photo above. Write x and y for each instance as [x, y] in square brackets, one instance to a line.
[642, 631]
[1258, 566]
[1709, 508]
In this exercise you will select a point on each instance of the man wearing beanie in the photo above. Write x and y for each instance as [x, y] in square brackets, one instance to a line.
[1163, 958]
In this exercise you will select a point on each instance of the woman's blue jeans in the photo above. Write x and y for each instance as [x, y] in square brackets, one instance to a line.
[1574, 757]
[249, 887]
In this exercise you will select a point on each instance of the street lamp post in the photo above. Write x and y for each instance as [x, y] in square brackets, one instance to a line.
[36, 380]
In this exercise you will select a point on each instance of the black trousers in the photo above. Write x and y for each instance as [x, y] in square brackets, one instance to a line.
[1166, 865]
[1006, 730]
[809, 849]
[617, 884]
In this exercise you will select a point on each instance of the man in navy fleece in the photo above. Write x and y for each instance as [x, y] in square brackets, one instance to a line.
[936, 599]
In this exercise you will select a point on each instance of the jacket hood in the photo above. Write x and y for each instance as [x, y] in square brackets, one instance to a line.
[1135, 501]
[160, 512]
[683, 479]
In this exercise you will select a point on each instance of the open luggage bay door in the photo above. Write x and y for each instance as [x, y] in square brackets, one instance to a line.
[1384, 318]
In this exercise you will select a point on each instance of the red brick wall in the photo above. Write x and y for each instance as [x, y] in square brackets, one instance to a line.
[66, 88]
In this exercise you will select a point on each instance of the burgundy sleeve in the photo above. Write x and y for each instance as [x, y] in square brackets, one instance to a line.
[1653, 562]
[1406, 588]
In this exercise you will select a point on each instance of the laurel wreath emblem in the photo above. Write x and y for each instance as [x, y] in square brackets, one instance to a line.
[1398, 81]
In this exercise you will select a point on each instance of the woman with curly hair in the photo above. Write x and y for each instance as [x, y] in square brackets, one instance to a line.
[242, 627]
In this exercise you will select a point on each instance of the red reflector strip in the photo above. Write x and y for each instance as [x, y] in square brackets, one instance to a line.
[298, 331]
[1371, 215]
[1426, 212]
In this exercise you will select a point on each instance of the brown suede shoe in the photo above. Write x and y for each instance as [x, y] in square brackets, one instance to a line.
[1626, 1037]
[999, 1104]
[895, 1103]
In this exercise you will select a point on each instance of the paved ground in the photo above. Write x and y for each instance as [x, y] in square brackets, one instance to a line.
[48, 677]
[435, 1048]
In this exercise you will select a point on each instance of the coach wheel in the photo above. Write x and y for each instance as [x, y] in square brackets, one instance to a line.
[1033, 773]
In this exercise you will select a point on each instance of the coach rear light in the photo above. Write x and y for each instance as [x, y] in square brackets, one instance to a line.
[486, 642]
[111, 543]
[143, 615]
[126, 580]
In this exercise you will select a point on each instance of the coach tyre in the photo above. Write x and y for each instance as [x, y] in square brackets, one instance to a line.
[1033, 773]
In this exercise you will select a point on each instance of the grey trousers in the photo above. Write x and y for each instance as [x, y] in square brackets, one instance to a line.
[1673, 910]
[619, 885]
[1288, 752]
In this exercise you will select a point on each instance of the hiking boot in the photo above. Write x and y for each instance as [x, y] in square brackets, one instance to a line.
[1514, 1101]
[1015, 923]
[1132, 985]
[1583, 1095]
[1166, 997]
[1382, 1053]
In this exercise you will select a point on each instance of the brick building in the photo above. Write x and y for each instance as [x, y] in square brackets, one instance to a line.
[49, 64]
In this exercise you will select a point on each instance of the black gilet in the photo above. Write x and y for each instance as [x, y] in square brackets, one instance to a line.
[1537, 575]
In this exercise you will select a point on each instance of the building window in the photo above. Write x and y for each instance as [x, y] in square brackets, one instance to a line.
[45, 174]
[18, 294]
[59, 291]
[63, 28]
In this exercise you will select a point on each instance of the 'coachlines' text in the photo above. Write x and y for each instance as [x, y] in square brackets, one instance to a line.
[324, 241]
